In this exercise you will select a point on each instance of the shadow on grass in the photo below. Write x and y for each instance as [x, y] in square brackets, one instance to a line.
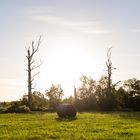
[66, 119]
[131, 115]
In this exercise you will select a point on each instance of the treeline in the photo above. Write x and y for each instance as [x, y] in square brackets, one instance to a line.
[94, 95]
[91, 95]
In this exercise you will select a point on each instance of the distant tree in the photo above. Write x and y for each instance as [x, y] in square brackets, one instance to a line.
[109, 71]
[31, 66]
[121, 97]
[70, 100]
[132, 86]
[106, 101]
[88, 87]
[85, 94]
[38, 100]
[101, 90]
[54, 95]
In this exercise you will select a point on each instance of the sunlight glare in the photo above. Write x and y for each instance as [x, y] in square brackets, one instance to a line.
[65, 66]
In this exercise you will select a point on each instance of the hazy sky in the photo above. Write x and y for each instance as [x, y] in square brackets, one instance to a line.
[75, 37]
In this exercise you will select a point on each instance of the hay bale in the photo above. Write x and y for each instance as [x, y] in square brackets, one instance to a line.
[66, 110]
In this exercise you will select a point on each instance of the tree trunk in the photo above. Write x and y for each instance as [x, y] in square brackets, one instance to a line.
[75, 95]
[29, 83]
[109, 80]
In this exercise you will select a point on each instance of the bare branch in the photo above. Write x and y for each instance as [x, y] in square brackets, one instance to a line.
[38, 44]
[39, 40]
[26, 48]
[108, 51]
[107, 64]
[32, 80]
[32, 62]
[33, 68]
[117, 83]
[33, 47]
[35, 74]
[39, 64]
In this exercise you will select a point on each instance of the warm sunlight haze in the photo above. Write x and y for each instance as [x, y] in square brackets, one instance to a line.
[76, 35]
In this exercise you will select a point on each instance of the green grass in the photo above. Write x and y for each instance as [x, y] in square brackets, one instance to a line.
[87, 126]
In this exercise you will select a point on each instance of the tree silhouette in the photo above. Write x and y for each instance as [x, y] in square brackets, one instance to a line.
[54, 95]
[109, 70]
[31, 66]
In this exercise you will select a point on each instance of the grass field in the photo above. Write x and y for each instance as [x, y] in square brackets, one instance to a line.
[87, 126]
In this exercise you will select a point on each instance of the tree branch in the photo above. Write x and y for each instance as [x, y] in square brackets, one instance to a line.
[35, 74]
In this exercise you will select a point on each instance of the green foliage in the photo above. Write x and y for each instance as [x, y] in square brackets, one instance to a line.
[86, 94]
[39, 102]
[13, 107]
[3, 109]
[69, 100]
[87, 88]
[87, 126]
[23, 109]
[16, 109]
[54, 95]
[94, 95]
[121, 98]
[136, 103]
[106, 98]
[132, 86]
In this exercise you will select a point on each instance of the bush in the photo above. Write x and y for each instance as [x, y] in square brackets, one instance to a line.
[10, 109]
[66, 110]
[15, 109]
[2, 110]
[23, 109]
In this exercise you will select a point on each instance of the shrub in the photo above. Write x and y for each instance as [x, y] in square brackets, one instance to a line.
[2, 110]
[10, 109]
[66, 110]
[17, 109]
[23, 109]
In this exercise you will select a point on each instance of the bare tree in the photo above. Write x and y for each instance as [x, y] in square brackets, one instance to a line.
[109, 70]
[32, 66]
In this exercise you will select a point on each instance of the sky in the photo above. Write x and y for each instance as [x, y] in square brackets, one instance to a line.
[75, 37]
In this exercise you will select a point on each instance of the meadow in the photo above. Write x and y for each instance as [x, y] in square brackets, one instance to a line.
[87, 126]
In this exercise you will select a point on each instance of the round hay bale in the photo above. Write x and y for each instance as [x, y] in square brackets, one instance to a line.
[66, 110]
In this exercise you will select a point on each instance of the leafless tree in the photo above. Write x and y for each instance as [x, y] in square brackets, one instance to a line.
[31, 50]
[109, 70]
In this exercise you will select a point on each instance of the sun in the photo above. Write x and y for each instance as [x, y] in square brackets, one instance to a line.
[65, 65]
